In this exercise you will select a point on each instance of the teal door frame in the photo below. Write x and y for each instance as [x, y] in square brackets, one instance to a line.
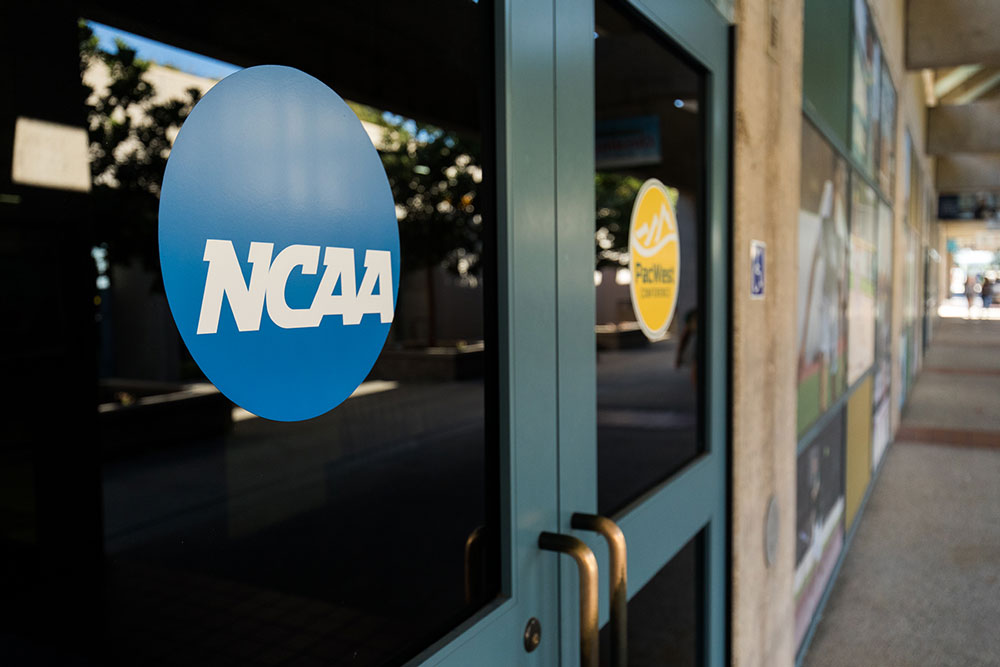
[546, 342]
[694, 500]
[526, 344]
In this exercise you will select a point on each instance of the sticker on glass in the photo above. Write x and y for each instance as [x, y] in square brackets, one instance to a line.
[654, 259]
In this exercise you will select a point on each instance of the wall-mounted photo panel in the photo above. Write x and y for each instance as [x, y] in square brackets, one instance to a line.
[881, 432]
[887, 134]
[819, 525]
[861, 292]
[857, 450]
[883, 303]
[822, 277]
[865, 96]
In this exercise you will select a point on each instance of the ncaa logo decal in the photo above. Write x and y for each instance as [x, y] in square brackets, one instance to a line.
[278, 243]
[654, 259]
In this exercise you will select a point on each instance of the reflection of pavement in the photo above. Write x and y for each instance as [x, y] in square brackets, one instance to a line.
[644, 378]
[367, 508]
[646, 421]
[160, 492]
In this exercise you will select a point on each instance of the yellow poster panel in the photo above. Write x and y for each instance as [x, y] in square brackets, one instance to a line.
[654, 259]
[859, 448]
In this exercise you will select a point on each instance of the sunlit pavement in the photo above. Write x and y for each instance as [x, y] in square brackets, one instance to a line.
[958, 307]
[920, 584]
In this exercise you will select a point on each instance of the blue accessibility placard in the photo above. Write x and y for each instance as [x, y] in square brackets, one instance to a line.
[278, 243]
[758, 253]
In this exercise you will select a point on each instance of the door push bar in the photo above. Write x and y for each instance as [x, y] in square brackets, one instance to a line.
[618, 579]
[589, 582]
[587, 565]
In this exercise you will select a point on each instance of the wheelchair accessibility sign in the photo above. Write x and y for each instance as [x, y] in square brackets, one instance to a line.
[278, 243]
[758, 250]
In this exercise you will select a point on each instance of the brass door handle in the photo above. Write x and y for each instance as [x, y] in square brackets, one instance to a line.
[618, 578]
[587, 565]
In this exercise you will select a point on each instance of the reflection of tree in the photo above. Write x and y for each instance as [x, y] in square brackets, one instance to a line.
[130, 139]
[435, 177]
[615, 194]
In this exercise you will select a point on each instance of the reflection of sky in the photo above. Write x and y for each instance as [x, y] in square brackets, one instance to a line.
[162, 54]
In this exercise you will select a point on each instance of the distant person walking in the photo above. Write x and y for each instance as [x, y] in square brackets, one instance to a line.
[986, 291]
[970, 292]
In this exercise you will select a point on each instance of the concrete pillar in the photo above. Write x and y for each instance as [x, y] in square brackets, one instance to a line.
[767, 153]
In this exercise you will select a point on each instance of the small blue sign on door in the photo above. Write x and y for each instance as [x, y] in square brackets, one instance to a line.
[758, 251]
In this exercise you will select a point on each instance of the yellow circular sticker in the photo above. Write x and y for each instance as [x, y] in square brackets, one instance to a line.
[654, 259]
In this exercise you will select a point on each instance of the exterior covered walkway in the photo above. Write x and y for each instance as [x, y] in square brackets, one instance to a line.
[921, 582]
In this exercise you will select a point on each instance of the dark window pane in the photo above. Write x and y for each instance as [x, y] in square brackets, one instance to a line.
[360, 536]
[665, 615]
[649, 125]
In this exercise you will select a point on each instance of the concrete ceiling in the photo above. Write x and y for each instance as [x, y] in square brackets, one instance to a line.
[956, 44]
[968, 172]
[964, 128]
[950, 33]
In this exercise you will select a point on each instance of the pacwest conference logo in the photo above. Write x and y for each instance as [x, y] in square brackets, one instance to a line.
[654, 259]
[278, 243]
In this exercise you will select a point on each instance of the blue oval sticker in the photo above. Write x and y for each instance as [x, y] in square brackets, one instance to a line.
[278, 243]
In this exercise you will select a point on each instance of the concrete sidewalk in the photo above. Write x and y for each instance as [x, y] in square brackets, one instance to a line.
[920, 584]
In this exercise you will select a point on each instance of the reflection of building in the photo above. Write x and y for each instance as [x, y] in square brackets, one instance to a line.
[405, 522]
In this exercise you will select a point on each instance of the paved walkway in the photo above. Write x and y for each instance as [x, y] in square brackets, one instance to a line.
[920, 584]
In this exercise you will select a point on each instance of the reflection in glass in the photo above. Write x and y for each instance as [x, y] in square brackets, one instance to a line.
[649, 125]
[363, 535]
[822, 331]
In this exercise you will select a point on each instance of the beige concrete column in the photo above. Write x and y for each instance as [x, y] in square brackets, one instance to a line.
[767, 155]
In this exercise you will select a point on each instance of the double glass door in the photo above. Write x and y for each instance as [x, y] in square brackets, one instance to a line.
[604, 420]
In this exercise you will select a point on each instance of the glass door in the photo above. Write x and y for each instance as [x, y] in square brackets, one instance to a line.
[642, 224]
